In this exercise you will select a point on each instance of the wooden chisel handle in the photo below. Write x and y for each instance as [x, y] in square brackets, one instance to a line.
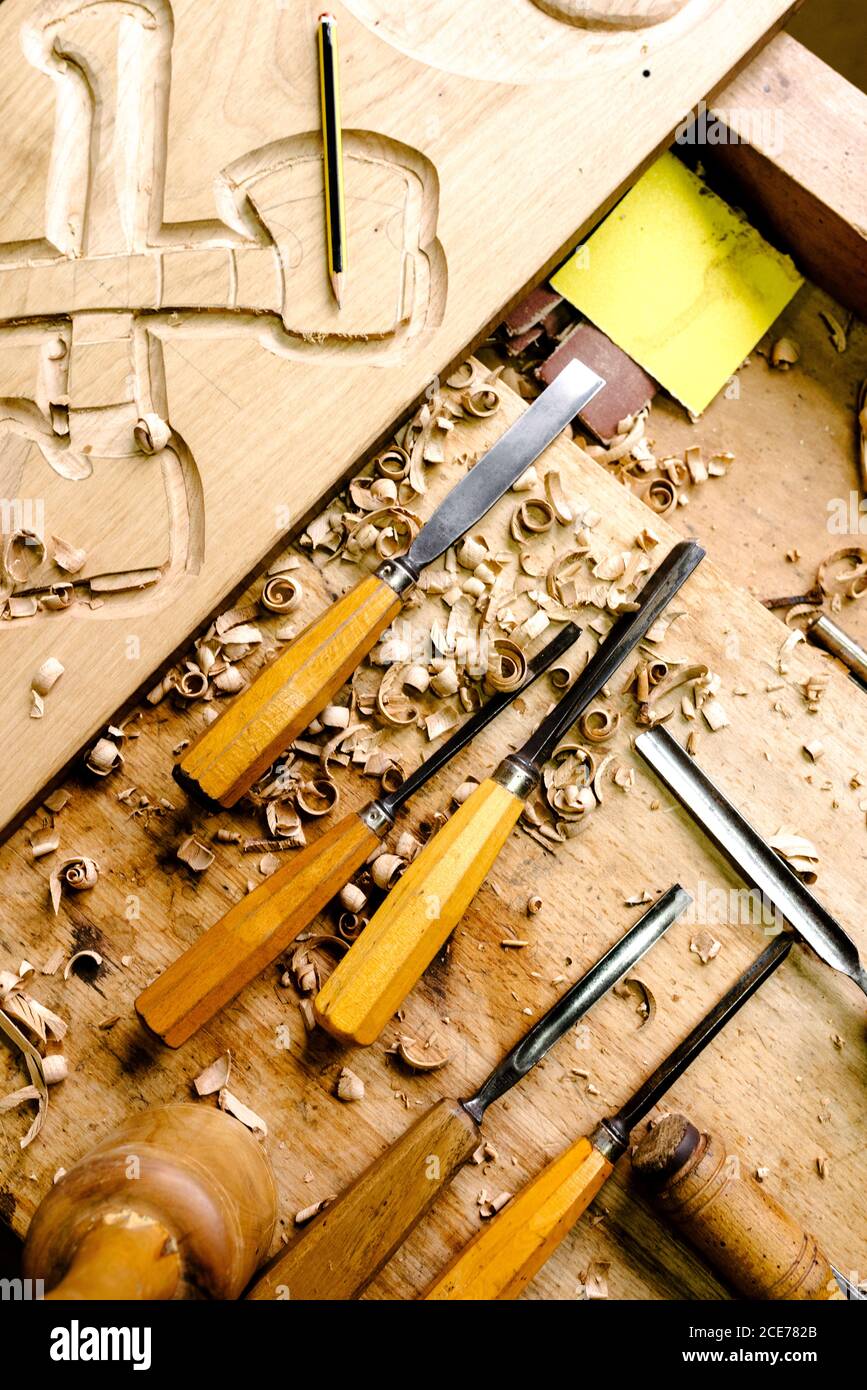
[253, 933]
[260, 723]
[338, 1254]
[406, 932]
[705, 1190]
[510, 1250]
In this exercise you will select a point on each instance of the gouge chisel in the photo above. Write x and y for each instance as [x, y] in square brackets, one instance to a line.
[745, 849]
[257, 929]
[260, 723]
[405, 933]
[337, 1255]
[506, 1254]
[706, 1190]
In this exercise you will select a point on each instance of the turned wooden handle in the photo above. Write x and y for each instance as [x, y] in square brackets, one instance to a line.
[125, 1260]
[338, 1254]
[260, 723]
[420, 912]
[510, 1250]
[253, 933]
[704, 1188]
[180, 1202]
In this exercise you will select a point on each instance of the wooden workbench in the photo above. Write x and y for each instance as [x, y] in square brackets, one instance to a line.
[784, 1083]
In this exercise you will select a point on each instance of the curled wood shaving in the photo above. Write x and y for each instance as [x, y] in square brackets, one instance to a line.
[194, 854]
[419, 1056]
[75, 874]
[46, 676]
[317, 797]
[599, 723]
[556, 498]
[353, 898]
[23, 552]
[386, 870]
[45, 841]
[507, 666]
[229, 1102]
[281, 593]
[534, 905]
[489, 1207]
[836, 331]
[285, 823]
[304, 965]
[784, 354]
[595, 1280]
[35, 1065]
[67, 557]
[104, 757]
[534, 516]
[152, 433]
[215, 1076]
[633, 988]
[306, 1214]
[350, 1087]
[799, 853]
[844, 572]
[93, 956]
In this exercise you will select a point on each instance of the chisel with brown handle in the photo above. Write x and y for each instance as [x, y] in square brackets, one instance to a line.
[255, 931]
[506, 1254]
[338, 1254]
[227, 758]
[405, 933]
[704, 1189]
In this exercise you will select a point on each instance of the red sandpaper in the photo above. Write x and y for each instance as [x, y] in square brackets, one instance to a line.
[628, 388]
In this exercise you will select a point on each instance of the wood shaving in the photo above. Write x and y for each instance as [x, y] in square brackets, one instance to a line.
[784, 354]
[70, 558]
[645, 1003]
[195, 855]
[534, 905]
[836, 331]
[44, 841]
[489, 1207]
[349, 1086]
[75, 875]
[595, 1280]
[306, 1214]
[93, 956]
[215, 1077]
[815, 750]
[386, 870]
[47, 676]
[317, 797]
[281, 593]
[798, 852]
[104, 757]
[705, 946]
[229, 1102]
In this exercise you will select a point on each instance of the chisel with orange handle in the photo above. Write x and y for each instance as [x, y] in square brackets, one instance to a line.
[338, 1254]
[506, 1254]
[227, 758]
[405, 933]
[255, 931]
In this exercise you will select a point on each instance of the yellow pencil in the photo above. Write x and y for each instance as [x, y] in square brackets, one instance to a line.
[332, 149]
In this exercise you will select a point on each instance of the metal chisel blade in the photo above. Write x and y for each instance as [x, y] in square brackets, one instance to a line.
[504, 463]
[744, 847]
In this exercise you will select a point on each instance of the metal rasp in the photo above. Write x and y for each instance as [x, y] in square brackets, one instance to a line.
[230, 754]
[745, 849]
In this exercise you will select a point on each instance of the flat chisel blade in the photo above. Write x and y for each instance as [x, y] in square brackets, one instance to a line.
[745, 849]
[504, 463]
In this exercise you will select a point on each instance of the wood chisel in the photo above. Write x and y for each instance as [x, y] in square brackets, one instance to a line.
[705, 1189]
[506, 1254]
[745, 849]
[255, 930]
[338, 1254]
[262, 721]
[405, 933]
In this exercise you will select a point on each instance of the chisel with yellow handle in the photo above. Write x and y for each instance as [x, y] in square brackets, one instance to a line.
[254, 932]
[338, 1254]
[405, 933]
[506, 1254]
[227, 758]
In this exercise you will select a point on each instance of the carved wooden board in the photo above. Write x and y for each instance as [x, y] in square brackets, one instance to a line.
[161, 252]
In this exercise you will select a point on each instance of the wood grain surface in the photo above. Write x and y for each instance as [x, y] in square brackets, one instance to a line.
[786, 1085]
[162, 259]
